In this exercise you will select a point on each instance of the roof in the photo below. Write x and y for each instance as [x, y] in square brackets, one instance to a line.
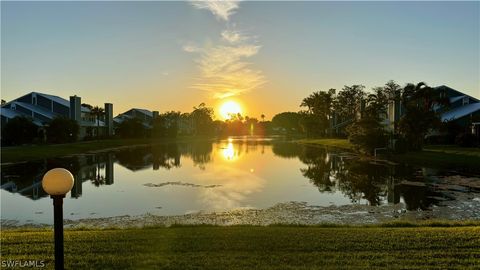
[36, 109]
[10, 114]
[460, 112]
[57, 99]
[457, 93]
[453, 99]
[144, 111]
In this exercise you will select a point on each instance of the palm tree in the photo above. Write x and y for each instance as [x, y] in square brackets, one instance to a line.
[98, 112]
[419, 102]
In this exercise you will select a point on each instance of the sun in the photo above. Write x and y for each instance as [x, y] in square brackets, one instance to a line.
[230, 108]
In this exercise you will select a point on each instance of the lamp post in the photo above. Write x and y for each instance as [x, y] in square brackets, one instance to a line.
[57, 182]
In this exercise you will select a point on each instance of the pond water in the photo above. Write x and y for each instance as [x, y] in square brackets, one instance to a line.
[236, 173]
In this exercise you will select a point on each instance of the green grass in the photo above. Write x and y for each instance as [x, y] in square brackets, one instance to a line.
[250, 247]
[339, 143]
[455, 150]
[34, 152]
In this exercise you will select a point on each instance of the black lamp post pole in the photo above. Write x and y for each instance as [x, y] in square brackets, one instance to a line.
[58, 230]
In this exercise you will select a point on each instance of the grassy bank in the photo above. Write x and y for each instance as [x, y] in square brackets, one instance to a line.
[34, 152]
[338, 143]
[253, 248]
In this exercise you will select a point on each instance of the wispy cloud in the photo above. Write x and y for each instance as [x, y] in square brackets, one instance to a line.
[226, 72]
[225, 69]
[190, 48]
[222, 9]
[233, 36]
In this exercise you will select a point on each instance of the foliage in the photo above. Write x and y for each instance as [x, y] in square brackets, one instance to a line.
[166, 125]
[202, 117]
[418, 101]
[131, 128]
[19, 130]
[98, 112]
[368, 132]
[316, 119]
[466, 140]
[288, 121]
[62, 130]
[347, 103]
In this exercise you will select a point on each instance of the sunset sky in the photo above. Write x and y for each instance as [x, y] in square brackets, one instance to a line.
[266, 56]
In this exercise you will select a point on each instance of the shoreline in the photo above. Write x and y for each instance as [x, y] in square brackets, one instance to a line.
[284, 214]
[431, 155]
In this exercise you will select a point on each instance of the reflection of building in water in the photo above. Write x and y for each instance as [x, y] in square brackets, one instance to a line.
[393, 195]
[26, 179]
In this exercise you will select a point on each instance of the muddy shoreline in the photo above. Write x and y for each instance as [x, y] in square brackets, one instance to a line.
[289, 213]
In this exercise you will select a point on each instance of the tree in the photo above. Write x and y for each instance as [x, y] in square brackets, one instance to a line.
[131, 128]
[319, 105]
[290, 121]
[62, 130]
[202, 117]
[419, 118]
[166, 125]
[368, 132]
[348, 101]
[263, 117]
[19, 130]
[98, 112]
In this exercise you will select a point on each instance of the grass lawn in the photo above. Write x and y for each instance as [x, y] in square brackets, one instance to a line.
[339, 143]
[248, 247]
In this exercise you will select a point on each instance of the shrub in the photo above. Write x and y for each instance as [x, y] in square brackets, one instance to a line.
[62, 130]
[466, 140]
[19, 130]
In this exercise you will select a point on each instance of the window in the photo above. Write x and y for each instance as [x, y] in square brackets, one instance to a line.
[465, 101]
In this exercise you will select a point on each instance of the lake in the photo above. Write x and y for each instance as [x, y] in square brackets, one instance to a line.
[236, 173]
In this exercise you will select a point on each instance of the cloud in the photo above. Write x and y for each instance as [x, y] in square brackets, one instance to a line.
[220, 8]
[236, 186]
[226, 72]
[190, 48]
[233, 36]
[225, 69]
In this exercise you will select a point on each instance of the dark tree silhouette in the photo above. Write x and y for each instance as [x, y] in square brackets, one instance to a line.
[19, 130]
[418, 101]
[62, 130]
[98, 112]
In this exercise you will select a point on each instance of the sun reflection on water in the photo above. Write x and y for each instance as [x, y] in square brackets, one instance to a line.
[229, 152]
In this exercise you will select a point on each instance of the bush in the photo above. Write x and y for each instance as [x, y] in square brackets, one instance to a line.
[366, 135]
[19, 130]
[466, 140]
[62, 130]
[400, 146]
[131, 128]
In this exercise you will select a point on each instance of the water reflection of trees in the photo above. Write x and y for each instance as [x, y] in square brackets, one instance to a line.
[358, 179]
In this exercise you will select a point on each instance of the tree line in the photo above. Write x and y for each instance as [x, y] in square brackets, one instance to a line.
[361, 116]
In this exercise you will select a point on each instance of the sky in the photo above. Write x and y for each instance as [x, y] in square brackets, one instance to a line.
[267, 56]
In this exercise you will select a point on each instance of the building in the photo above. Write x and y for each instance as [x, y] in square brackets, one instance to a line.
[462, 110]
[144, 116]
[42, 108]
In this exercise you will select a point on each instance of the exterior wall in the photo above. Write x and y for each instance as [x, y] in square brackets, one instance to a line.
[109, 119]
[75, 109]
